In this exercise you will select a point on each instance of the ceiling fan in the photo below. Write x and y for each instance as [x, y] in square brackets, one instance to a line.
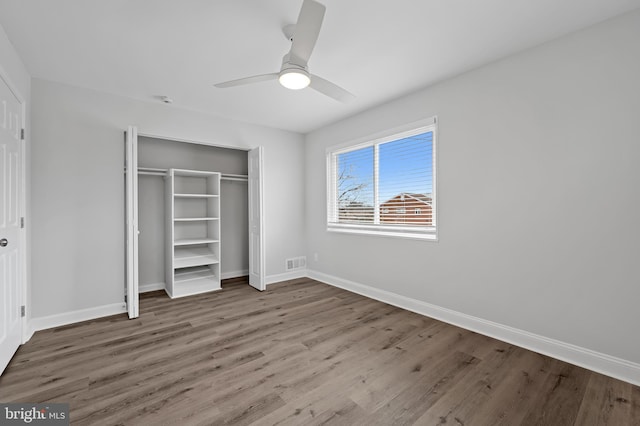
[294, 73]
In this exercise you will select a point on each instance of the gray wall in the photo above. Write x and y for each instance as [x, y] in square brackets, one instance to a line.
[78, 189]
[13, 68]
[158, 153]
[538, 196]
[151, 221]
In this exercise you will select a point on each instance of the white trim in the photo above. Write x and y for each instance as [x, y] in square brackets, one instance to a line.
[234, 274]
[146, 288]
[596, 361]
[51, 321]
[272, 279]
[24, 235]
[381, 232]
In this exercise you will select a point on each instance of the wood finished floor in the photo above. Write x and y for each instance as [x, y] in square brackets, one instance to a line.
[301, 353]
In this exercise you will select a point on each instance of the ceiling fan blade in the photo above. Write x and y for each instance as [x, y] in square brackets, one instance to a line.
[248, 80]
[306, 30]
[328, 88]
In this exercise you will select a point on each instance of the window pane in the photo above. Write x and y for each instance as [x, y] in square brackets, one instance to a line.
[355, 186]
[406, 180]
[385, 186]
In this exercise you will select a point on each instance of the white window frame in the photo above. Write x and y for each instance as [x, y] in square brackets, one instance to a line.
[429, 233]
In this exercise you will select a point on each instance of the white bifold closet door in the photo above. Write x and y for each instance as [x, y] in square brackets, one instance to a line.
[256, 220]
[132, 220]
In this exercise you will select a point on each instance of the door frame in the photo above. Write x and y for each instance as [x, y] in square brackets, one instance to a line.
[129, 189]
[25, 333]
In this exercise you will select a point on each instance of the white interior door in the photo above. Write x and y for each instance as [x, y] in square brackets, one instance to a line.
[132, 220]
[11, 238]
[256, 220]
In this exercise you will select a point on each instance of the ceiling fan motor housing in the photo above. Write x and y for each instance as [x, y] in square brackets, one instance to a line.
[293, 76]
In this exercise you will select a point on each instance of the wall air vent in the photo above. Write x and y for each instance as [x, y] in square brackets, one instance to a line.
[296, 263]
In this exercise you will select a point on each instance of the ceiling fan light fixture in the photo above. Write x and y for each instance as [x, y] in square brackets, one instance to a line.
[294, 74]
[294, 79]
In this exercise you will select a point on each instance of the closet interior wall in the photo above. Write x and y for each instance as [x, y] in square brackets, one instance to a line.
[166, 154]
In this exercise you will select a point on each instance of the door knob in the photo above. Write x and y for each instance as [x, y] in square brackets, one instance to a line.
[4, 242]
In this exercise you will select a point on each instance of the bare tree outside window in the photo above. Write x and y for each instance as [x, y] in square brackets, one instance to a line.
[355, 187]
[349, 187]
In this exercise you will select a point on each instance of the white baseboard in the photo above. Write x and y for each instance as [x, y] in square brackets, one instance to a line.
[27, 332]
[145, 288]
[234, 274]
[51, 321]
[602, 363]
[272, 279]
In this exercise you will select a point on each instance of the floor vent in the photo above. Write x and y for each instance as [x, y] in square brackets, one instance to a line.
[296, 263]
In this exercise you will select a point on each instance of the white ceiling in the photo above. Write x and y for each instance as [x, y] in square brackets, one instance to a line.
[377, 49]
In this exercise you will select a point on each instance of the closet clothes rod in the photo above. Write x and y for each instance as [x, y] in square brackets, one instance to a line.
[163, 172]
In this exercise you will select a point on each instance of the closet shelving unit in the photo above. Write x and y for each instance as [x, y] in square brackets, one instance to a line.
[193, 232]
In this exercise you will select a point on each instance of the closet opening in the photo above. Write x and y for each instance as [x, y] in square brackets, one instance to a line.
[193, 217]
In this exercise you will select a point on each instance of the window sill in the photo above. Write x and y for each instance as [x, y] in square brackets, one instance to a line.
[393, 233]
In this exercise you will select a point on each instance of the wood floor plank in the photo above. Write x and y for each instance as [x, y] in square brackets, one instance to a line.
[560, 397]
[231, 389]
[391, 376]
[166, 386]
[606, 401]
[512, 398]
[468, 398]
[635, 406]
[301, 353]
[428, 386]
[54, 370]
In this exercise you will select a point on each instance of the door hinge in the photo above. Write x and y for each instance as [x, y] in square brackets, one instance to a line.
[21, 134]
[125, 298]
[21, 222]
[22, 311]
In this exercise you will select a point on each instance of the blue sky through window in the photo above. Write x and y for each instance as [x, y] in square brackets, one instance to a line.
[404, 166]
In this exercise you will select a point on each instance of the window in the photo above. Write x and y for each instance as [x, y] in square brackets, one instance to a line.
[373, 184]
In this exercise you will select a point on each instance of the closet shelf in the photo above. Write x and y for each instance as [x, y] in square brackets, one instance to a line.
[195, 195]
[193, 241]
[186, 257]
[193, 232]
[193, 275]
